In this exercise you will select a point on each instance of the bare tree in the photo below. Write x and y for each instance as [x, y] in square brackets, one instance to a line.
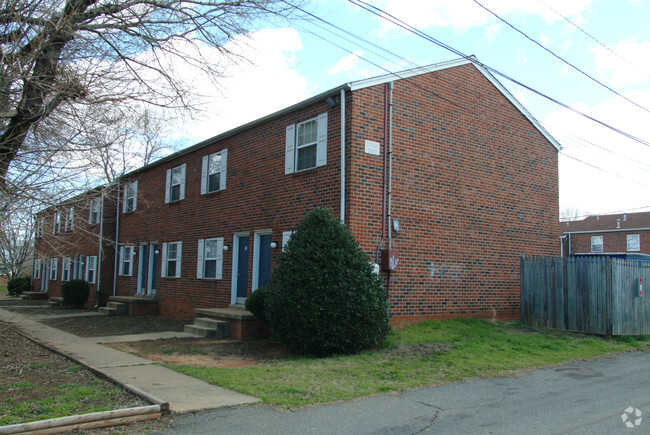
[16, 239]
[572, 214]
[59, 56]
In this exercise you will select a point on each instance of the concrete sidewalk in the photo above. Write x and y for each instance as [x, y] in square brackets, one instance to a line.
[182, 393]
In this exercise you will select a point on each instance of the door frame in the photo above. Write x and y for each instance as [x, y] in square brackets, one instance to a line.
[235, 264]
[151, 266]
[142, 263]
[256, 256]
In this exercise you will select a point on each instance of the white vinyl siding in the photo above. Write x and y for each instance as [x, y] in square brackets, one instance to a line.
[93, 213]
[633, 243]
[209, 263]
[91, 269]
[306, 145]
[171, 260]
[175, 184]
[597, 244]
[213, 172]
[126, 260]
[130, 202]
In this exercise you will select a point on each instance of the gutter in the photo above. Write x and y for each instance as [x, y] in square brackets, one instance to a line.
[117, 237]
[617, 230]
[342, 107]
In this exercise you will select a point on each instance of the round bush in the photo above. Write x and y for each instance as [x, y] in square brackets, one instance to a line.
[324, 297]
[75, 292]
[255, 303]
[16, 286]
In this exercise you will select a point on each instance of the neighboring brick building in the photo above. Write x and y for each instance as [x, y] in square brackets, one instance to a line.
[67, 244]
[625, 233]
[470, 185]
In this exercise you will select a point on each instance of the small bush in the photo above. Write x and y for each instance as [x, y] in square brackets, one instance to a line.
[255, 303]
[75, 292]
[324, 297]
[16, 286]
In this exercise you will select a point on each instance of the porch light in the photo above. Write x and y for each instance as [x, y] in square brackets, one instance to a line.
[274, 245]
[225, 247]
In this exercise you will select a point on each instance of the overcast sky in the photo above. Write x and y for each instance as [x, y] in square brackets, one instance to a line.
[608, 40]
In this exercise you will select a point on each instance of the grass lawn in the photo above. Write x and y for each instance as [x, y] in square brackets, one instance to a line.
[431, 353]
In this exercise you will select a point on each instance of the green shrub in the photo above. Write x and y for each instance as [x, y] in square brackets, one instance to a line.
[75, 292]
[255, 303]
[16, 286]
[324, 297]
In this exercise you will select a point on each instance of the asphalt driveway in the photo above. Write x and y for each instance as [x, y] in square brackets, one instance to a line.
[589, 397]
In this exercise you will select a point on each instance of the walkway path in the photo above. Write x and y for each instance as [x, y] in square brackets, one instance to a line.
[182, 393]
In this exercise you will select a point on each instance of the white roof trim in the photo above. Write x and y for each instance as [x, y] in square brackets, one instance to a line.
[360, 84]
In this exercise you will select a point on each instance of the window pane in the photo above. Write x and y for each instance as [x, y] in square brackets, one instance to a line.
[210, 249]
[210, 269]
[214, 164]
[171, 251]
[171, 268]
[176, 192]
[307, 132]
[176, 176]
[214, 182]
[307, 157]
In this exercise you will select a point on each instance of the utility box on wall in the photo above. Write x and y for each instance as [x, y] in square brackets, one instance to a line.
[389, 259]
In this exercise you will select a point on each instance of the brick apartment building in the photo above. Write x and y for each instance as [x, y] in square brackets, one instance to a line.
[624, 233]
[440, 164]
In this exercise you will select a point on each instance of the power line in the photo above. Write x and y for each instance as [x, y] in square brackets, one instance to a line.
[388, 17]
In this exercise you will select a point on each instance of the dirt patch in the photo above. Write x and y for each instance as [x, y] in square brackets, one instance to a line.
[206, 353]
[33, 379]
[417, 350]
[103, 326]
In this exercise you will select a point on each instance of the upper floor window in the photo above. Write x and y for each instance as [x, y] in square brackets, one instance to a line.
[171, 259]
[213, 172]
[210, 259]
[130, 197]
[69, 219]
[597, 244]
[56, 228]
[633, 242]
[93, 214]
[126, 260]
[40, 224]
[175, 184]
[306, 145]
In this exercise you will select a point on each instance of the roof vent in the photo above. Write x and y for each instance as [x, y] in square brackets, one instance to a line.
[624, 217]
[618, 223]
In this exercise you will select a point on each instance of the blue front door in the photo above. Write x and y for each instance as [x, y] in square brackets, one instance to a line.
[265, 260]
[242, 269]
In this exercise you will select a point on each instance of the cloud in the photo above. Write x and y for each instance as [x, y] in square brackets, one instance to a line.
[600, 170]
[628, 65]
[346, 64]
[461, 15]
[259, 78]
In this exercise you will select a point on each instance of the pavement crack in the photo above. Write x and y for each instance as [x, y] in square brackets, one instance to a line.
[432, 422]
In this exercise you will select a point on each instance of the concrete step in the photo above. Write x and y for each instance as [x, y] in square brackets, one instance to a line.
[120, 307]
[208, 328]
[108, 311]
[55, 301]
[241, 307]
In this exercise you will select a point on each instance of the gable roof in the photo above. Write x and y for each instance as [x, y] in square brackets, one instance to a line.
[360, 84]
[355, 85]
[609, 223]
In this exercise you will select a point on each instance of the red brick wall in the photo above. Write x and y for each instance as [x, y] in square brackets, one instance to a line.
[258, 196]
[474, 186]
[83, 239]
[613, 242]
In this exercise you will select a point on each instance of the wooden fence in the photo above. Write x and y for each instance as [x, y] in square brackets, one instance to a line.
[598, 295]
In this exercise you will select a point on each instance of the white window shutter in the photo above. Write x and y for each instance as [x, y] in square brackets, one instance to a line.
[163, 266]
[55, 267]
[182, 195]
[289, 149]
[179, 256]
[321, 147]
[135, 195]
[224, 165]
[120, 270]
[286, 235]
[90, 213]
[199, 260]
[71, 218]
[168, 185]
[125, 196]
[204, 175]
[132, 261]
[219, 274]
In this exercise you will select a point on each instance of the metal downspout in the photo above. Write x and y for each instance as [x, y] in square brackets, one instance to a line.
[99, 253]
[117, 236]
[385, 174]
[342, 107]
[390, 163]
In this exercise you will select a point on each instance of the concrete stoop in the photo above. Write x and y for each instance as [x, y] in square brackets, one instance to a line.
[208, 328]
[114, 309]
[31, 296]
[55, 301]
